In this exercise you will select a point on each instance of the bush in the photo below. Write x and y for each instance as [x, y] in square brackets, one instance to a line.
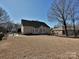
[1, 35]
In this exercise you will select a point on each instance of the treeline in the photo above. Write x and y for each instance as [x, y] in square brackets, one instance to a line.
[6, 24]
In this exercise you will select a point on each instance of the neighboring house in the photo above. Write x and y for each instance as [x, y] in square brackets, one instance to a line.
[58, 31]
[34, 27]
[61, 31]
[15, 28]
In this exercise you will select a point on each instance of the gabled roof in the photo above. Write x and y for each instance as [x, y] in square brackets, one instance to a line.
[35, 24]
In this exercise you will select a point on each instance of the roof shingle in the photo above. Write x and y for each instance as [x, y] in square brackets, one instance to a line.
[35, 24]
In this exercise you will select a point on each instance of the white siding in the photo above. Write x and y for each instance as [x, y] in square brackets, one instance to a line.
[29, 30]
[22, 29]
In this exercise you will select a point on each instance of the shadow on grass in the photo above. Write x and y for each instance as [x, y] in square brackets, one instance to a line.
[36, 34]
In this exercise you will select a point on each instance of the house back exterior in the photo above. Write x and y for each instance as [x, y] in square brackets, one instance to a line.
[34, 27]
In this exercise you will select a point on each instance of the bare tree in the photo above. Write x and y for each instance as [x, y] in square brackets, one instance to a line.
[10, 26]
[60, 10]
[74, 13]
[4, 18]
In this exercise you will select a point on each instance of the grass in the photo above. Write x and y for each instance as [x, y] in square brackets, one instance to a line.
[39, 47]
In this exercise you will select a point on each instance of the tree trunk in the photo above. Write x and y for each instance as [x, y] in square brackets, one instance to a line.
[74, 28]
[65, 28]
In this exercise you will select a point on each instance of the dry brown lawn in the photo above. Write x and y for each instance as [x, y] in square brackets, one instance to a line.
[39, 47]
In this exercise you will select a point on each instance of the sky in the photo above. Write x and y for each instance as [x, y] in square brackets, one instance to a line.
[27, 9]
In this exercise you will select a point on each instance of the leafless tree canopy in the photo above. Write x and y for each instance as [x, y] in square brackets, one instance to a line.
[4, 19]
[3, 16]
[63, 10]
[60, 9]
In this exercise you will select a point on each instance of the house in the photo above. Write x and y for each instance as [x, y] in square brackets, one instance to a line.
[61, 31]
[34, 27]
[57, 31]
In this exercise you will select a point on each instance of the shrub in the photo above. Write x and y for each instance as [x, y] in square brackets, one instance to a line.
[1, 35]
